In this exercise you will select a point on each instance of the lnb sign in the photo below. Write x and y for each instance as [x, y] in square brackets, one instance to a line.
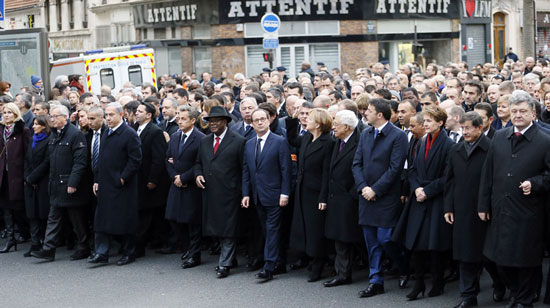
[270, 22]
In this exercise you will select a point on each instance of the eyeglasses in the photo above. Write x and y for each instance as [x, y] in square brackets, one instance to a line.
[259, 120]
[52, 116]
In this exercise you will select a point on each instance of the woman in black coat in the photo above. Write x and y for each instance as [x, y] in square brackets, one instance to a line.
[314, 155]
[422, 225]
[14, 139]
[37, 200]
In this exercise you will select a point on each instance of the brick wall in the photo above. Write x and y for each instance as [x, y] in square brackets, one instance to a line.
[226, 31]
[186, 33]
[230, 59]
[187, 59]
[356, 55]
[353, 27]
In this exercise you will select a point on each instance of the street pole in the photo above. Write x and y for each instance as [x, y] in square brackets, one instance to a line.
[528, 28]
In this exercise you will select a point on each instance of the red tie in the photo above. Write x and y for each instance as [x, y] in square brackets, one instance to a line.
[217, 145]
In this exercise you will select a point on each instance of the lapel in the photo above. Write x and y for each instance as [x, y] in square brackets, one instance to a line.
[267, 146]
[188, 142]
[226, 141]
[305, 141]
[348, 147]
[315, 146]
[144, 132]
[435, 146]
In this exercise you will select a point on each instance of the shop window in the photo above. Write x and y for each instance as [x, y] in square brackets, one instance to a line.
[134, 75]
[107, 77]
[326, 53]
[297, 28]
[202, 60]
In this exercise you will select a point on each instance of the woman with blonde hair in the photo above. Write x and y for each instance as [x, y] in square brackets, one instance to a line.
[14, 141]
[314, 153]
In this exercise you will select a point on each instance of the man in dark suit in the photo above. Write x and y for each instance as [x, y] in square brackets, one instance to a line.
[377, 166]
[184, 205]
[252, 221]
[463, 172]
[218, 172]
[516, 213]
[485, 111]
[67, 161]
[342, 207]
[116, 188]
[266, 179]
[169, 109]
[151, 175]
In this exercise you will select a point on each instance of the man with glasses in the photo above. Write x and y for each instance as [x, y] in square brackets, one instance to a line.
[68, 162]
[266, 180]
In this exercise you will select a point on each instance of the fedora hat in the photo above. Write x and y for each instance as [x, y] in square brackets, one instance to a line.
[218, 112]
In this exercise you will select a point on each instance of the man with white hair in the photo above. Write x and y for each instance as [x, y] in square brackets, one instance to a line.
[67, 187]
[529, 83]
[341, 218]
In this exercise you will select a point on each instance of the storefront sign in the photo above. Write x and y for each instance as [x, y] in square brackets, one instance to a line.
[476, 11]
[296, 10]
[168, 14]
[543, 19]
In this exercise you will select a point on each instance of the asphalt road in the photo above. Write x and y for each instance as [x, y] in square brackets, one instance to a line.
[159, 281]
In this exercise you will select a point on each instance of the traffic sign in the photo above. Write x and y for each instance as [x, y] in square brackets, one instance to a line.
[271, 43]
[2, 9]
[270, 22]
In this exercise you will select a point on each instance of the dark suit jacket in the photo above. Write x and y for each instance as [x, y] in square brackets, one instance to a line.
[378, 163]
[152, 168]
[223, 175]
[184, 204]
[169, 127]
[342, 204]
[239, 129]
[117, 204]
[89, 137]
[268, 178]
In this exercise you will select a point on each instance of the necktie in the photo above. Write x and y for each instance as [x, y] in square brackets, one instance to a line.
[139, 131]
[182, 141]
[518, 134]
[95, 150]
[246, 129]
[303, 131]
[342, 144]
[376, 132]
[217, 145]
[110, 132]
[258, 150]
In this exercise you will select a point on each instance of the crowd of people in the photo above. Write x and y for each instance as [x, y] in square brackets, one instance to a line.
[438, 170]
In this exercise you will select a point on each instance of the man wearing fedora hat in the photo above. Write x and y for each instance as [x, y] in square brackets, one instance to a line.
[218, 172]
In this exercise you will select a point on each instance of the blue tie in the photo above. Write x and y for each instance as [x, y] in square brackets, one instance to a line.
[95, 150]
[110, 132]
[182, 141]
[247, 129]
[303, 131]
[258, 150]
[376, 132]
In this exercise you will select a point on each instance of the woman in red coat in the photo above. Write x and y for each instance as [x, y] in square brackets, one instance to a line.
[14, 140]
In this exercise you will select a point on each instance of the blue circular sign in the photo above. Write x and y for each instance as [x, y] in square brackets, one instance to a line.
[270, 22]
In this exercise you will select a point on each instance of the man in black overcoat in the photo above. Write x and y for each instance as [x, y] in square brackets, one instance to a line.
[116, 188]
[218, 172]
[514, 185]
[463, 172]
[184, 204]
[67, 159]
[342, 204]
[151, 175]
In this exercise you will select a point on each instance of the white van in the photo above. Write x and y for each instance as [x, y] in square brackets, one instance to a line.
[110, 66]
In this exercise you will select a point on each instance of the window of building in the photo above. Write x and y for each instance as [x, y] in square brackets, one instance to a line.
[134, 75]
[297, 28]
[202, 60]
[160, 33]
[107, 77]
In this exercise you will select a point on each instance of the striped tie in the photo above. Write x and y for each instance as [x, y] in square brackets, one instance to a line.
[95, 150]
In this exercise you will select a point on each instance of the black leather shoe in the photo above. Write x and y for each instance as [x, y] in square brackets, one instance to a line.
[222, 271]
[125, 260]
[301, 263]
[314, 276]
[336, 282]
[97, 258]
[467, 303]
[80, 254]
[265, 275]
[403, 280]
[191, 262]
[372, 290]
[185, 255]
[47, 255]
[279, 269]
[31, 249]
[498, 294]
[254, 265]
